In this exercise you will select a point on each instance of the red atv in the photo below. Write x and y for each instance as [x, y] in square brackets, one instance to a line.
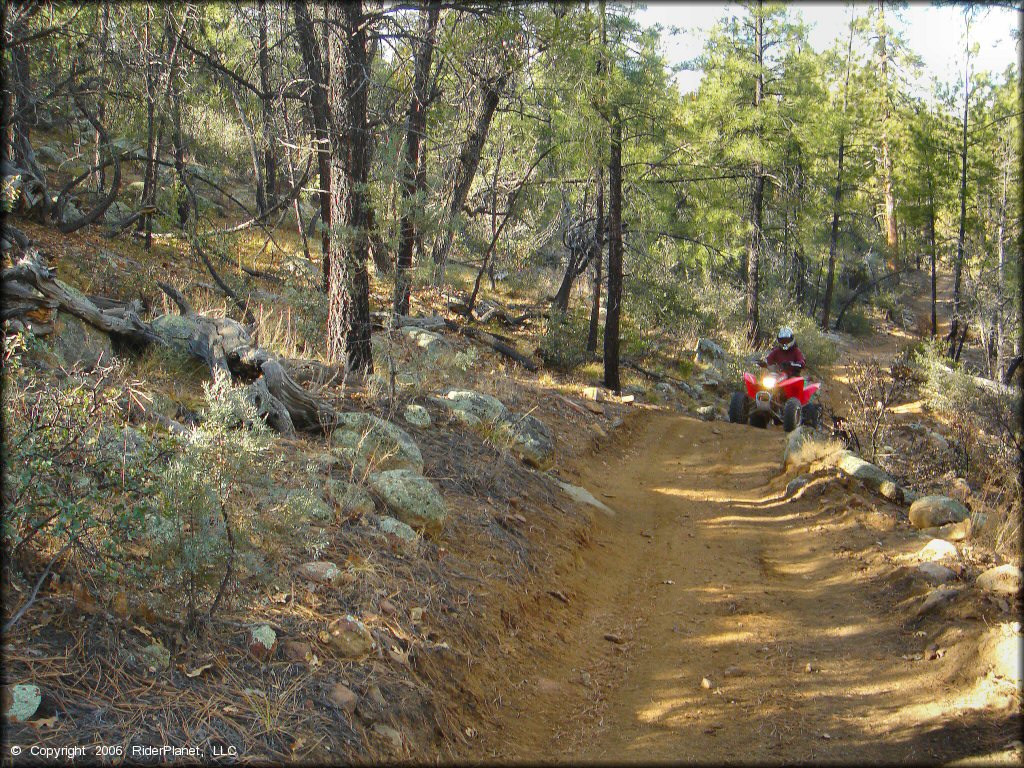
[786, 401]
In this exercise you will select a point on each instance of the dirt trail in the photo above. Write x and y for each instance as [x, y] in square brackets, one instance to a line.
[714, 620]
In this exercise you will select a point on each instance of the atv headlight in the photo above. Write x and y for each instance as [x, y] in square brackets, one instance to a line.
[769, 381]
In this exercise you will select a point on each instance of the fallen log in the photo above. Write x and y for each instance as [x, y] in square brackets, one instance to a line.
[503, 347]
[224, 344]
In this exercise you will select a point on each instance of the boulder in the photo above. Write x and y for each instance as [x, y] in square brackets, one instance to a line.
[933, 511]
[417, 415]
[854, 466]
[370, 442]
[708, 350]
[1001, 580]
[349, 637]
[1000, 651]
[484, 408]
[320, 572]
[706, 413]
[352, 498]
[411, 498]
[529, 438]
[307, 505]
[936, 574]
[665, 388]
[431, 343]
[79, 344]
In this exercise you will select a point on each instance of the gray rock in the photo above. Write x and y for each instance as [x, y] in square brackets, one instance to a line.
[529, 439]
[51, 155]
[397, 528]
[484, 408]
[937, 550]
[307, 505]
[349, 637]
[320, 572]
[21, 702]
[709, 350]
[352, 498]
[156, 657]
[854, 466]
[369, 442]
[431, 343]
[262, 641]
[79, 344]
[794, 442]
[665, 388]
[937, 441]
[937, 598]
[583, 496]
[176, 330]
[933, 511]
[1001, 580]
[417, 415]
[692, 391]
[796, 484]
[706, 413]
[936, 574]
[411, 498]
[116, 213]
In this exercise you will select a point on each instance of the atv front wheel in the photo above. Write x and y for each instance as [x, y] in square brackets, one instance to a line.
[791, 414]
[738, 408]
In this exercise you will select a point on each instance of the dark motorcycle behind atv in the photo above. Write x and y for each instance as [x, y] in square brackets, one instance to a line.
[775, 398]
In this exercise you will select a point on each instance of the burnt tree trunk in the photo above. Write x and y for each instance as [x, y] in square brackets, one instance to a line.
[753, 258]
[833, 241]
[267, 103]
[599, 225]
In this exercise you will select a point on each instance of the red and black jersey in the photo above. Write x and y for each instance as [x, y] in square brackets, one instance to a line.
[791, 360]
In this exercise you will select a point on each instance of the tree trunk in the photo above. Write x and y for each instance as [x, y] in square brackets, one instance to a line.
[599, 224]
[348, 332]
[315, 66]
[267, 103]
[954, 323]
[614, 307]
[833, 241]
[891, 232]
[465, 170]
[416, 127]
[757, 194]
[933, 253]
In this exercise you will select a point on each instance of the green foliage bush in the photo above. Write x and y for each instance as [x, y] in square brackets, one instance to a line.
[564, 344]
[856, 322]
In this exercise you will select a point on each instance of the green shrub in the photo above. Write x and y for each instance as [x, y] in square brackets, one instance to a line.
[856, 322]
[564, 344]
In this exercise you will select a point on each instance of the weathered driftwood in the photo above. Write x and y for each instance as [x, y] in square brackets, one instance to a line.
[225, 345]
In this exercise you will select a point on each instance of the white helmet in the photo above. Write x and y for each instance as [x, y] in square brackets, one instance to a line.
[786, 338]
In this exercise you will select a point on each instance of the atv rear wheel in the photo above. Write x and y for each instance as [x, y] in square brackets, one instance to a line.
[791, 414]
[738, 408]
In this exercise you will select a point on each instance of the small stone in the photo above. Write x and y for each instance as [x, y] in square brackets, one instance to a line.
[262, 642]
[343, 697]
[705, 683]
[349, 637]
[393, 737]
[321, 572]
[796, 484]
[732, 672]
[706, 413]
[388, 608]
[156, 657]
[416, 615]
[295, 650]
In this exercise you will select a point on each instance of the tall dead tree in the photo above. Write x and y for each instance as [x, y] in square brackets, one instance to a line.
[891, 231]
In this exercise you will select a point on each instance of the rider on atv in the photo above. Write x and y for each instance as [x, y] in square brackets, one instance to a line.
[786, 355]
